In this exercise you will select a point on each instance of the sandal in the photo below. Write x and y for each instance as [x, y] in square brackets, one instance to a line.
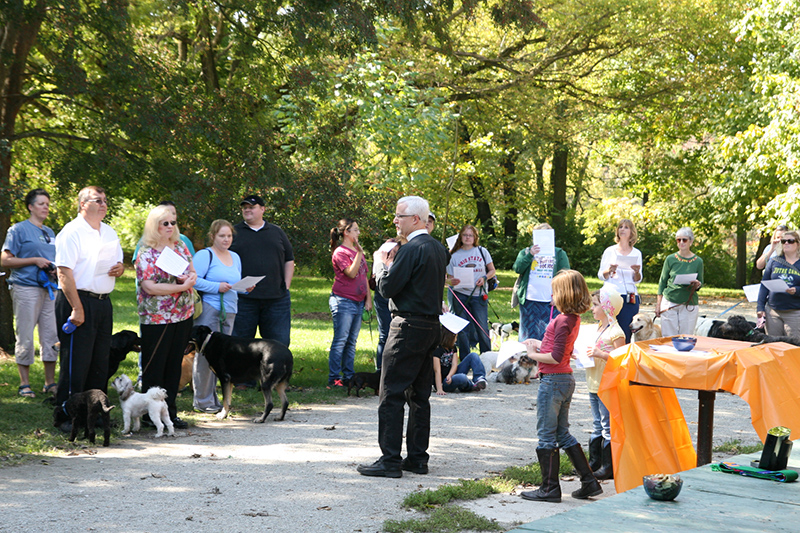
[26, 392]
[52, 387]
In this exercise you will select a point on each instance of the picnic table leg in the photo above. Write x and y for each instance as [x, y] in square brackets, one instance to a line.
[705, 426]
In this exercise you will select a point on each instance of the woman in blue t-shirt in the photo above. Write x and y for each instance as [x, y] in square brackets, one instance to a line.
[782, 309]
[29, 251]
[218, 269]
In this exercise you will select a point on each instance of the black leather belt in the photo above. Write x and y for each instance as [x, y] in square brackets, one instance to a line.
[91, 294]
[412, 315]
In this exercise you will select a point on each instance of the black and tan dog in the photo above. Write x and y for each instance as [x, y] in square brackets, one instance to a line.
[237, 359]
[83, 409]
[365, 379]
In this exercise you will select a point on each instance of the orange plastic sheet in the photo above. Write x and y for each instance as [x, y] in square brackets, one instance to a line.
[649, 434]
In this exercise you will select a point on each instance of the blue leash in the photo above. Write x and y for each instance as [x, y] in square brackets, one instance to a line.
[731, 307]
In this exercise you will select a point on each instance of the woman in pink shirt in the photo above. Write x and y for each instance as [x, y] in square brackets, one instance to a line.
[571, 297]
[349, 297]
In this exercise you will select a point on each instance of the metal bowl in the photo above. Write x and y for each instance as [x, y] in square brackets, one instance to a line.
[684, 344]
[661, 487]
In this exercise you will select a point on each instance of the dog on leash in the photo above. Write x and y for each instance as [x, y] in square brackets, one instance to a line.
[365, 379]
[520, 371]
[738, 328]
[122, 343]
[237, 359]
[135, 404]
[643, 328]
[83, 409]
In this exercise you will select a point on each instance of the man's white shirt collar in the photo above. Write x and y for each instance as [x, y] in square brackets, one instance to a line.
[417, 233]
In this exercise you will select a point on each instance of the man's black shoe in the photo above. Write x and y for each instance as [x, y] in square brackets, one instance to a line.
[377, 469]
[179, 424]
[416, 468]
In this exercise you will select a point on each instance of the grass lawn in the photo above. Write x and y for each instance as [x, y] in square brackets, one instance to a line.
[26, 424]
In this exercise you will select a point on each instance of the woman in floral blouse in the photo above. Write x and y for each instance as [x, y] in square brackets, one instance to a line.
[166, 307]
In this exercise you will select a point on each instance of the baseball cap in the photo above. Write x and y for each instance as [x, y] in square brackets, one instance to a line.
[253, 199]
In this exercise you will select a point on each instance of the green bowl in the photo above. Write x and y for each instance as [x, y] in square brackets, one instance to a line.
[662, 490]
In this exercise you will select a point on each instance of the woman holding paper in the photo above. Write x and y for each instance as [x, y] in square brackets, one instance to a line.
[536, 269]
[218, 269]
[621, 267]
[470, 266]
[166, 277]
[681, 278]
[783, 310]
[350, 295]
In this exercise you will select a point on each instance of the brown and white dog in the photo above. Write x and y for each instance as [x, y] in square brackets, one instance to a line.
[643, 328]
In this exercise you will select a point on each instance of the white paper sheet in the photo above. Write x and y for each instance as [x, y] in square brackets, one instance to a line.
[451, 241]
[465, 277]
[751, 292]
[171, 263]
[385, 247]
[106, 258]
[626, 261]
[775, 285]
[508, 350]
[452, 322]
[685, 279]
[545, 239]
[587, 338]
[245, 282]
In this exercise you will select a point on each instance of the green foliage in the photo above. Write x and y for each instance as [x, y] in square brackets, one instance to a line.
[128, 221]
[736, 447]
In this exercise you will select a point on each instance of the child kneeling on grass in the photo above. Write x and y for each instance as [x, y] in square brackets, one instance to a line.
[571, 297]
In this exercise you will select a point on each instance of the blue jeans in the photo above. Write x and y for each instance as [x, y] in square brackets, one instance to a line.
[346, 326]
[552, 411]
[534, 318]
[479, 308]
[381, 306]
[273, 317]
[601, 420]
[459, 381]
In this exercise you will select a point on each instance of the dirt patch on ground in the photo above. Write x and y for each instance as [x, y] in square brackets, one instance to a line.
[313, 316]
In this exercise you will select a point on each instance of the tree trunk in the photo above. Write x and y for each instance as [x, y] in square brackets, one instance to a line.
[475, 182]
[18, 36]
[558, 184]
[510, 219]
[756, 273]
[741, 253]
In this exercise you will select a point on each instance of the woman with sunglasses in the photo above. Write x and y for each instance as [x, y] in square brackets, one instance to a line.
[676, 303]
[29, 251]
[166, 306]
[782, 309]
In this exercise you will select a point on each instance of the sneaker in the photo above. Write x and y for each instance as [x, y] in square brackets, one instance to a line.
[177, 423]
[480, 384]
[335, 384]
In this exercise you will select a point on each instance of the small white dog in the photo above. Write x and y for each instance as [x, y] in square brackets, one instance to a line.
[135, 404]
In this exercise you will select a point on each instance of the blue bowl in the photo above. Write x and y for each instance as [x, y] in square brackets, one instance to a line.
[659, 488]
[684, 344]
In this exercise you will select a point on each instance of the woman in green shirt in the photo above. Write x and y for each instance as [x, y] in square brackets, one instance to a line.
[677, 302]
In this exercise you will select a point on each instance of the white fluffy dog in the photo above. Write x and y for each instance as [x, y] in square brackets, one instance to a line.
[135, 404]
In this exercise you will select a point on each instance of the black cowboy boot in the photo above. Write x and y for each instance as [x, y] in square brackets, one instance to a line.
[606, 471]
[550, 489]
[589, 485]
[596, 453]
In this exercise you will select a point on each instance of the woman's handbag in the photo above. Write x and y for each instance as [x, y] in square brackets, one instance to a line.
[514, 295]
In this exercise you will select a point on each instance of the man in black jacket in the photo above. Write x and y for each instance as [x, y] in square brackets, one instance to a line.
[413, 282]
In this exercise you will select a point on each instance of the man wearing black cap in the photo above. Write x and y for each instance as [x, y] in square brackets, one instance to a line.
[265, 251]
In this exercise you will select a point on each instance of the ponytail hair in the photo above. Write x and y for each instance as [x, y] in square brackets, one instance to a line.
[337, 233]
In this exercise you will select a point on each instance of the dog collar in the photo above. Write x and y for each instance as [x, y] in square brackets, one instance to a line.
[205, 342]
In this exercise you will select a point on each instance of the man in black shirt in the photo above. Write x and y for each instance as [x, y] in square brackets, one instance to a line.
[413, 282]
[265, 251]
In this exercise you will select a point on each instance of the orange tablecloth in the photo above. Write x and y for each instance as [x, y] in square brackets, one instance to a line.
[648, 431]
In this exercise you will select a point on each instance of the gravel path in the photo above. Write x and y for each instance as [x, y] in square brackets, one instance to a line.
[299, 474]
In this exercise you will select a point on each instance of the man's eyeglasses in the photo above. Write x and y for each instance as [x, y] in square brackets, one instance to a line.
[788, 241]
[98, 201]
[403, 216]
[682, 239]
[167, 223]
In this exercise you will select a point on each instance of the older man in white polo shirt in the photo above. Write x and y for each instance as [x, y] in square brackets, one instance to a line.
[89, 258]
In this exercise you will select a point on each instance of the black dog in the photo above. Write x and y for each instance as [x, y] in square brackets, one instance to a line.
[365, 379]
[122, 343]
[237, 360]
[739, 329]
[83, 409]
